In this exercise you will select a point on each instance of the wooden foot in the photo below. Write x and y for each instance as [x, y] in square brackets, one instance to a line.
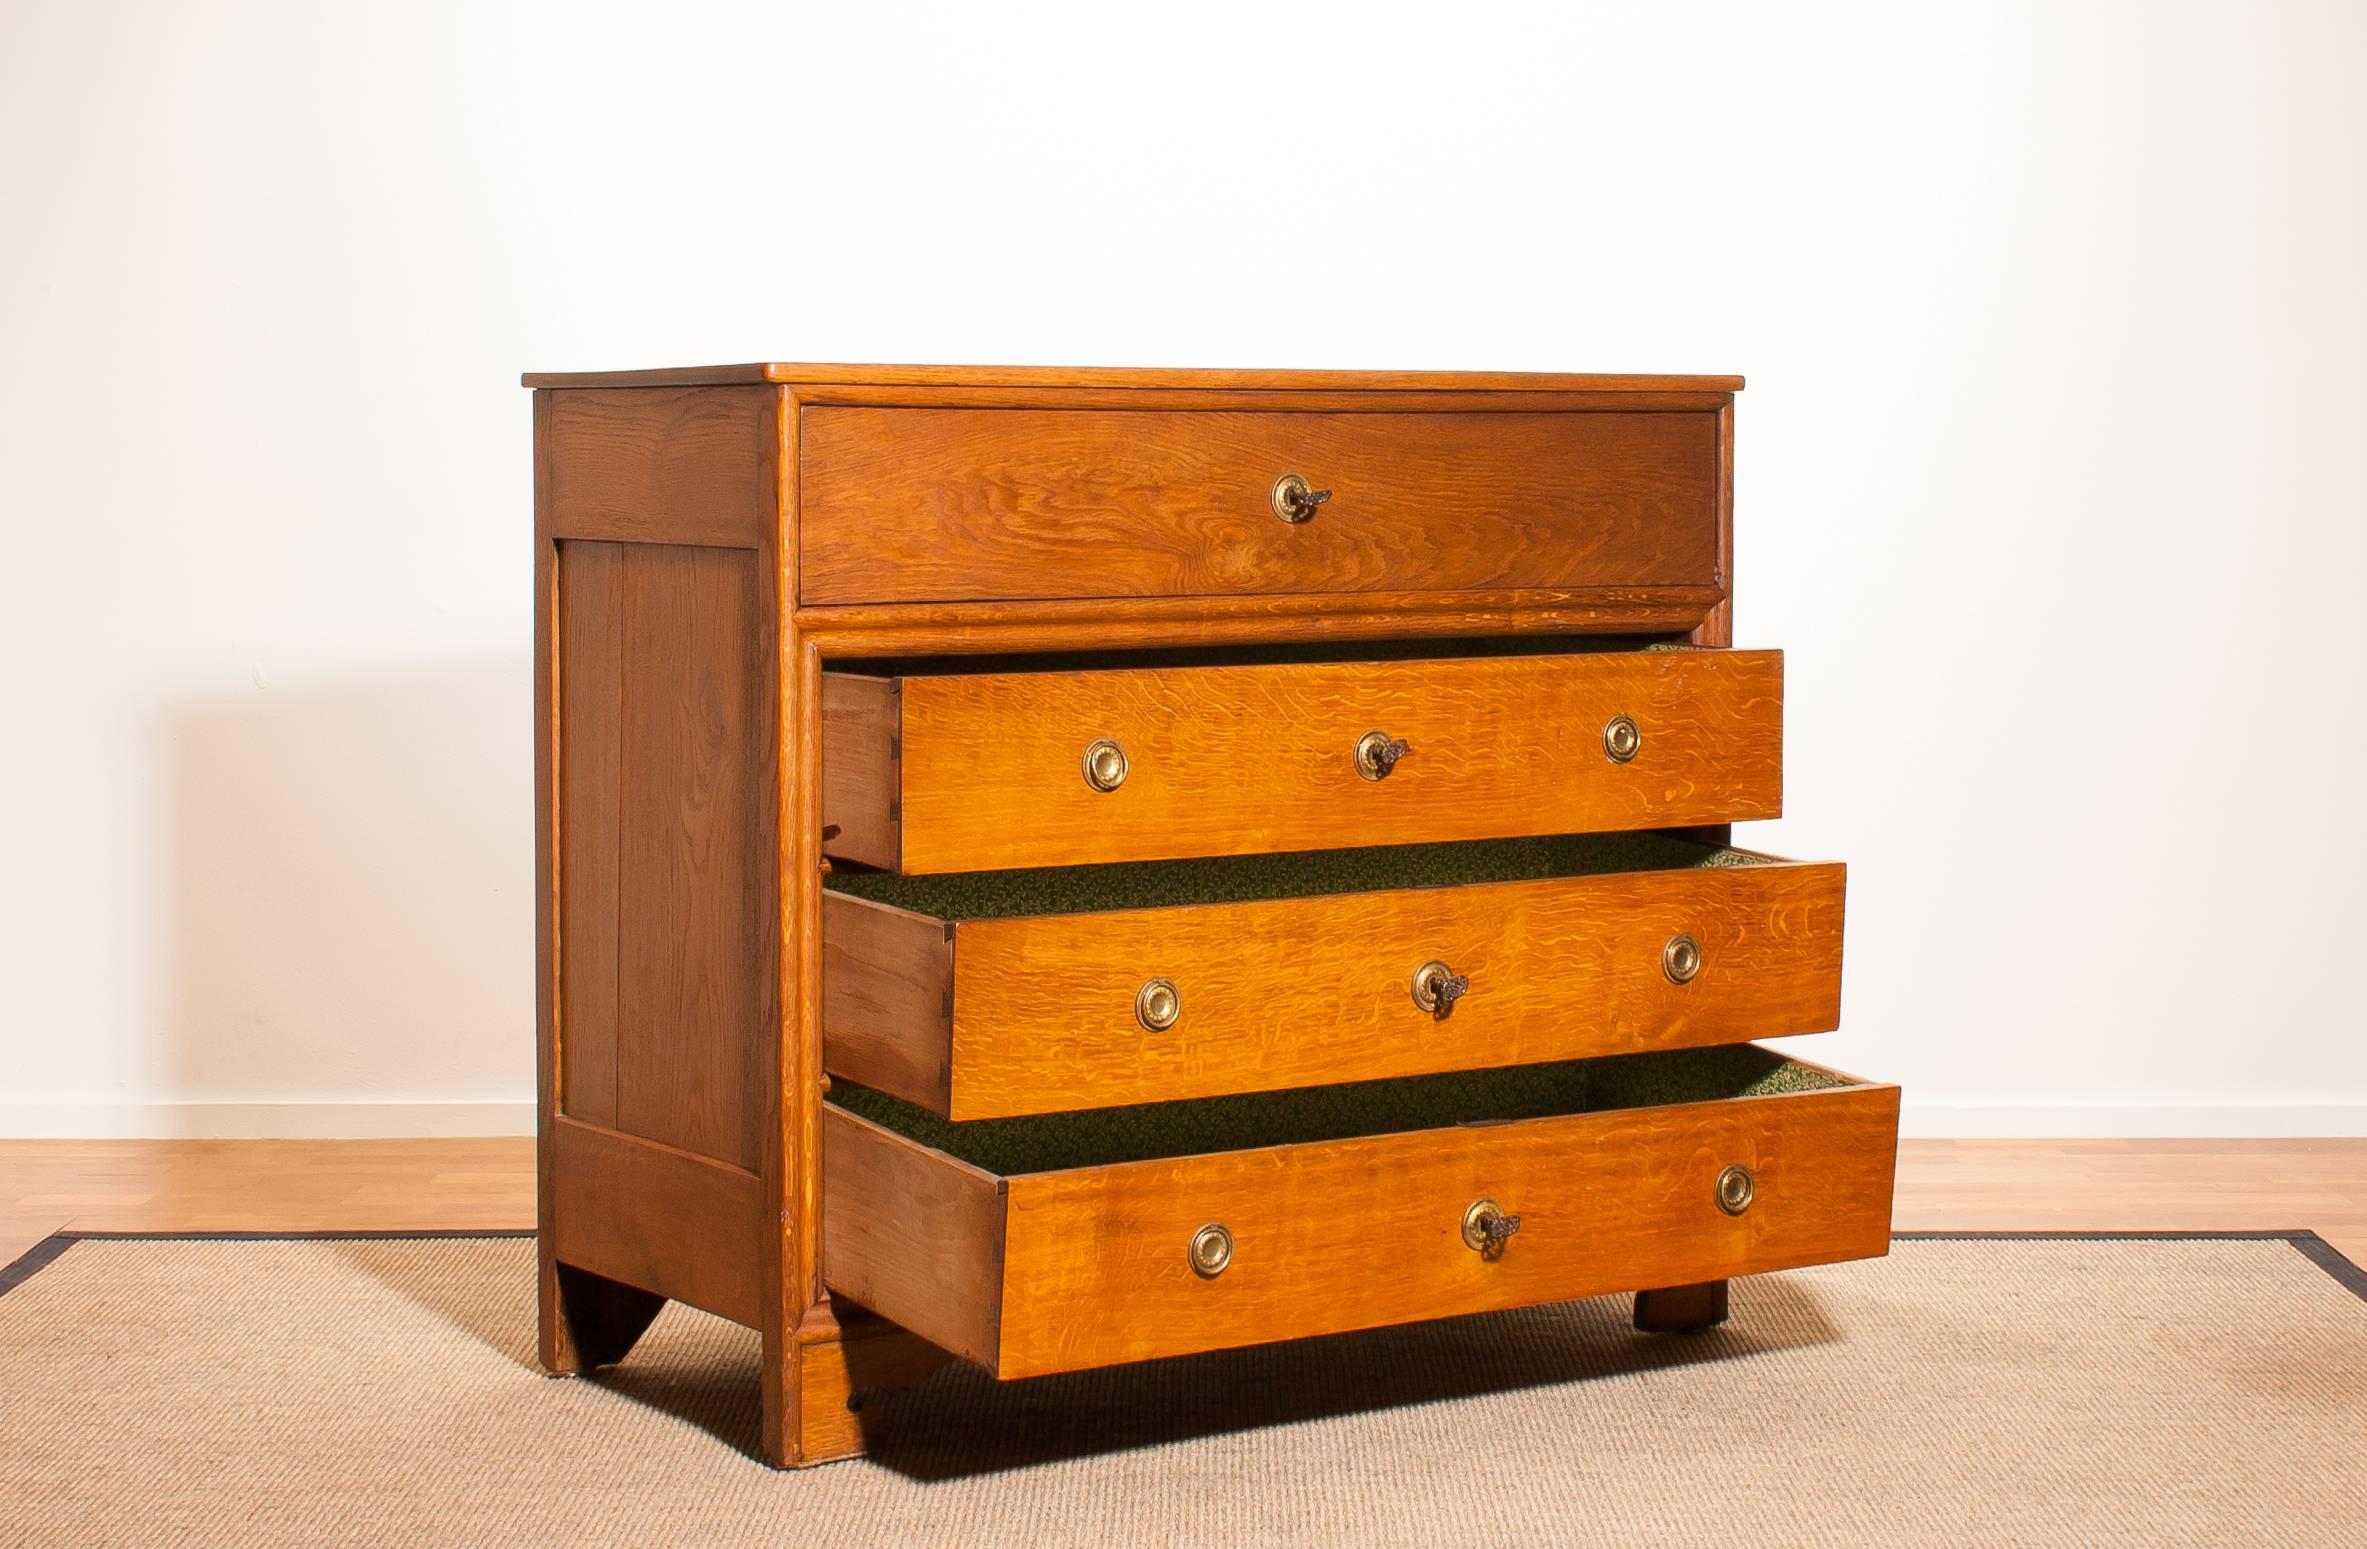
[590, 1321]
[1680, 1309]
[843, 1363]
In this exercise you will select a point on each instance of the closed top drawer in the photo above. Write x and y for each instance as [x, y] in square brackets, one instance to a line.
[977, 772]
[911, 505]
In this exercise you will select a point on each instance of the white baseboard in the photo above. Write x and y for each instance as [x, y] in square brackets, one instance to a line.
[2129, 1121]
[263, 1121]
[396, 1120]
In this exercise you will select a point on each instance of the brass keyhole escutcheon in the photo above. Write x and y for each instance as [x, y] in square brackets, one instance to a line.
[1680, 959]
[1294, 500]
[1157, 1004]
[1212, 1250]
[1622, 738]
[1485, 1226]
[1377, 753]
[1437, 987]
[1736, 1189]
[1105, 764]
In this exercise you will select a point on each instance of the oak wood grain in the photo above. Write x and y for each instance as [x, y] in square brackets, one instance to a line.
[912, 1233]
[1243, 760]
[668, 1221]
[920, 505]
[1035, 1014]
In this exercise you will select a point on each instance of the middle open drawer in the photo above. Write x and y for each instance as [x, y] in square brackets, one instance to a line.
[997, 994]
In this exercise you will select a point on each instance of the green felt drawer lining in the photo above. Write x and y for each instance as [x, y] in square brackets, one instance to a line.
[986, 895]
[1103, 1136]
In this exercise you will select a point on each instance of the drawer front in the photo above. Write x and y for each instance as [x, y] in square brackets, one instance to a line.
[974, 773]
[994, 1018]
[940, 505]
[1057, 1271]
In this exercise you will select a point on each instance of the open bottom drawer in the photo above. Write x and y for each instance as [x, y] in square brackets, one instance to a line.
[1080, 1240]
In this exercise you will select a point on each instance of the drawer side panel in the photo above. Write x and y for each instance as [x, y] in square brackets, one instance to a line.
[912, 1235]
[887, 999]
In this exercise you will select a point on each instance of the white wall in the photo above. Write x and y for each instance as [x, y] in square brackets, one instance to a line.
[2050, 473]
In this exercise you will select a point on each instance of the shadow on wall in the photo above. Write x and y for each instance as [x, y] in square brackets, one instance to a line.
[353, 914]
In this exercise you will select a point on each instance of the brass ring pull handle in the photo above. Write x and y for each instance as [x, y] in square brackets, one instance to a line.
[1680, 959]
[1437, 987]
[1212, 1250]
[1294, 500]
[1377, 753]
[1157, 1004]
[1105, 764]
[1486, 1226]
[1622, 738]
[1736, 1189]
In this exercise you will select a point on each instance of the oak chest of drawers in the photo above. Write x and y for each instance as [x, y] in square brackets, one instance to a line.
[1058, 868]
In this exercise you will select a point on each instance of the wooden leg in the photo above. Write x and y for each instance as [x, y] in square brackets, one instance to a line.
[845, 1359]
[592, 1321]
[1680, 1309]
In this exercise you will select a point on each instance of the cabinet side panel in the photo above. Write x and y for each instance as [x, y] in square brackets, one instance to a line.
[591, 599]
[697, 991]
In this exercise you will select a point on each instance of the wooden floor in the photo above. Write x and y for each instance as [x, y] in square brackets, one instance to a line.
[432, 1185]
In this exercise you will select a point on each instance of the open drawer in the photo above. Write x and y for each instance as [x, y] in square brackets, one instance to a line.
[953, 771]
[992, 994]
[1045, 1245]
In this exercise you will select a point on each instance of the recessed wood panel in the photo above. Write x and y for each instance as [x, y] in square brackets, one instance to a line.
[1615, 1201]
[936, 505]
[1247, 760]
[697, 908]
[995, 1018]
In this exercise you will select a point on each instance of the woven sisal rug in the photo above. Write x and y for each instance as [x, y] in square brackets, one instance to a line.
[1989, 1391]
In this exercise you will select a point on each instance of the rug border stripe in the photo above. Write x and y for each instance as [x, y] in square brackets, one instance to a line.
[33, 1260]
[2309, 1245]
